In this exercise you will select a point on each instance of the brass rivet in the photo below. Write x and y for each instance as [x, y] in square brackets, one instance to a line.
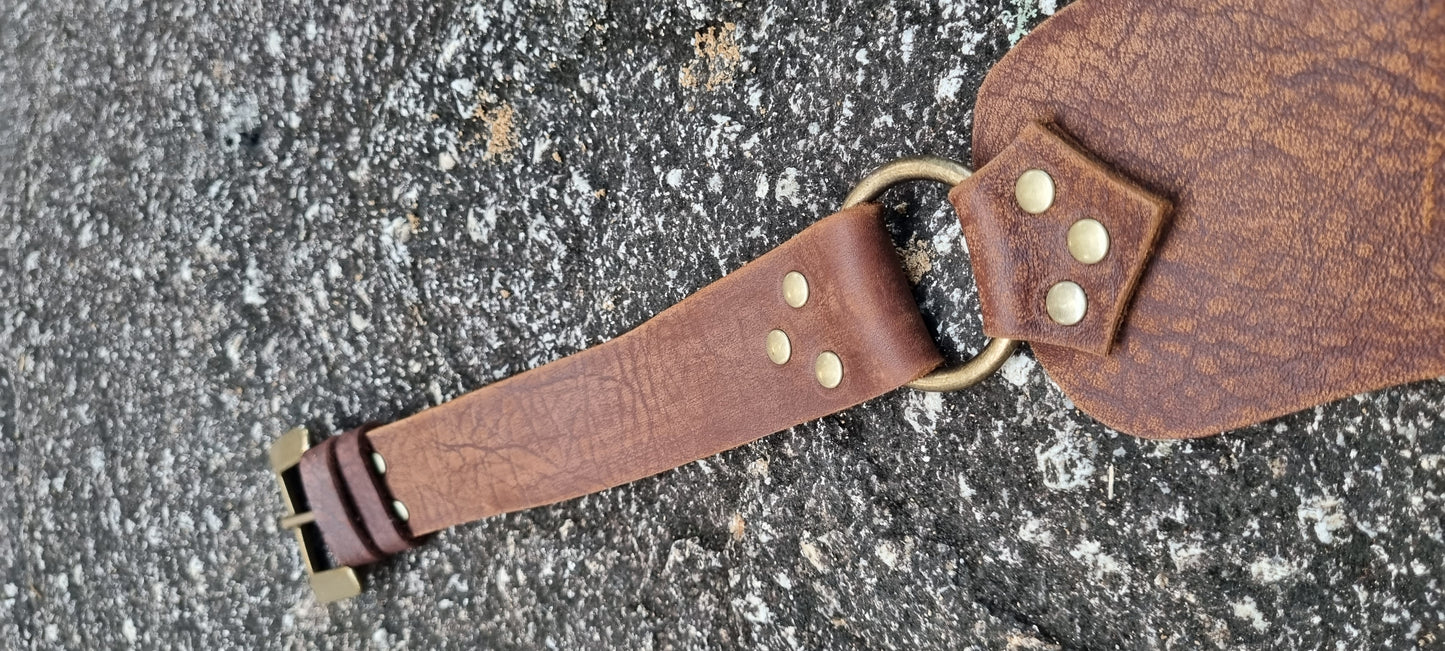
[1088, 241]
[378, 463]
[795, 289]
[401, 511]
[1035, 191]
[780, 350]
[1066, 303]
[829, 369]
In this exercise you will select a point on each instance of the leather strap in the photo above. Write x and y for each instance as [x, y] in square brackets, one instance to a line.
[1303, 261]
[1302, 144]
[695, 380]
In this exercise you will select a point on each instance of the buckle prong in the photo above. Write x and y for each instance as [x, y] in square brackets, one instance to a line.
[295, 521]
[329, 583]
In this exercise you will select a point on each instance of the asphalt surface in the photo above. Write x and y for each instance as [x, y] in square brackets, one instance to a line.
[220, 222]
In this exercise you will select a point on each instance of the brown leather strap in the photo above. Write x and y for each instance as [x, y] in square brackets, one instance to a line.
[695, 380]
[1302, 143]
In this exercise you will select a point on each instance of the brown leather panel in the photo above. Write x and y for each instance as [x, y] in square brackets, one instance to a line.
[1300, 142]
[372, 502]
[1018, 256]
[336, 517]
[693, 381]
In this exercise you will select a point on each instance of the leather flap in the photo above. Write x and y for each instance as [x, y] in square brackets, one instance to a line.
[1018, 257]
[1300, 142]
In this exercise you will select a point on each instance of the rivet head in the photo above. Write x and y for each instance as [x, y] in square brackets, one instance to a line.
[1035, 191]
[400, 510]
[780, 350]
[795, 289]
[1066, 303]
[378, 463]
[1088, 241]
[829, 369]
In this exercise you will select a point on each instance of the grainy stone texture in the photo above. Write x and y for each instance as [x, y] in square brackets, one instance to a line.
[220, 222]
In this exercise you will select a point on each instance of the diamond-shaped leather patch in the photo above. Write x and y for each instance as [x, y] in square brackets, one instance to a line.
[1019, 256]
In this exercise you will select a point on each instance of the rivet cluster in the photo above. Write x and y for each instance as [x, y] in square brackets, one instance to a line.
[827, 366]
[1087, 241]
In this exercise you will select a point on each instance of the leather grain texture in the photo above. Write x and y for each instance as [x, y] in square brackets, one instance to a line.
[1018, 256]
[1301, 143]
[691, 382]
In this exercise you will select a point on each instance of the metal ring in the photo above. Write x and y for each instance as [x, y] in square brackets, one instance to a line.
[950, 173]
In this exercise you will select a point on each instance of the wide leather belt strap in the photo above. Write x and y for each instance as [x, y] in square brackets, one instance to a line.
[704, 376]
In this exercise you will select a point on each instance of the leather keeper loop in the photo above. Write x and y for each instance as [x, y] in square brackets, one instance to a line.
[345, 535]
[371, 499]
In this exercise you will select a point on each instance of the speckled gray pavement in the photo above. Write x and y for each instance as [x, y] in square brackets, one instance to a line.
[217, 223]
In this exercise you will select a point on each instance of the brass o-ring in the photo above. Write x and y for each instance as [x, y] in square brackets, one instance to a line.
[950, 173]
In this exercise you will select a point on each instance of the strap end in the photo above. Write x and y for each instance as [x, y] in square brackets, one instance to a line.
[337, 503]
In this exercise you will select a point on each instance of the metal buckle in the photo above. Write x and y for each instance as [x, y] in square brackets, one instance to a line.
[950, 173]
[329, 583]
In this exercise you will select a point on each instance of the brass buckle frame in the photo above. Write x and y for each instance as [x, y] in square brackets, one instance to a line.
[331, 583]
[950, 173]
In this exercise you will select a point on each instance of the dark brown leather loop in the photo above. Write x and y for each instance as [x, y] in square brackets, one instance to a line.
[693, 381]
[372, 502]
[336, 516]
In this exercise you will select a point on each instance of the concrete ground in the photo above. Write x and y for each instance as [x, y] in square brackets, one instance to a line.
[219, 222]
